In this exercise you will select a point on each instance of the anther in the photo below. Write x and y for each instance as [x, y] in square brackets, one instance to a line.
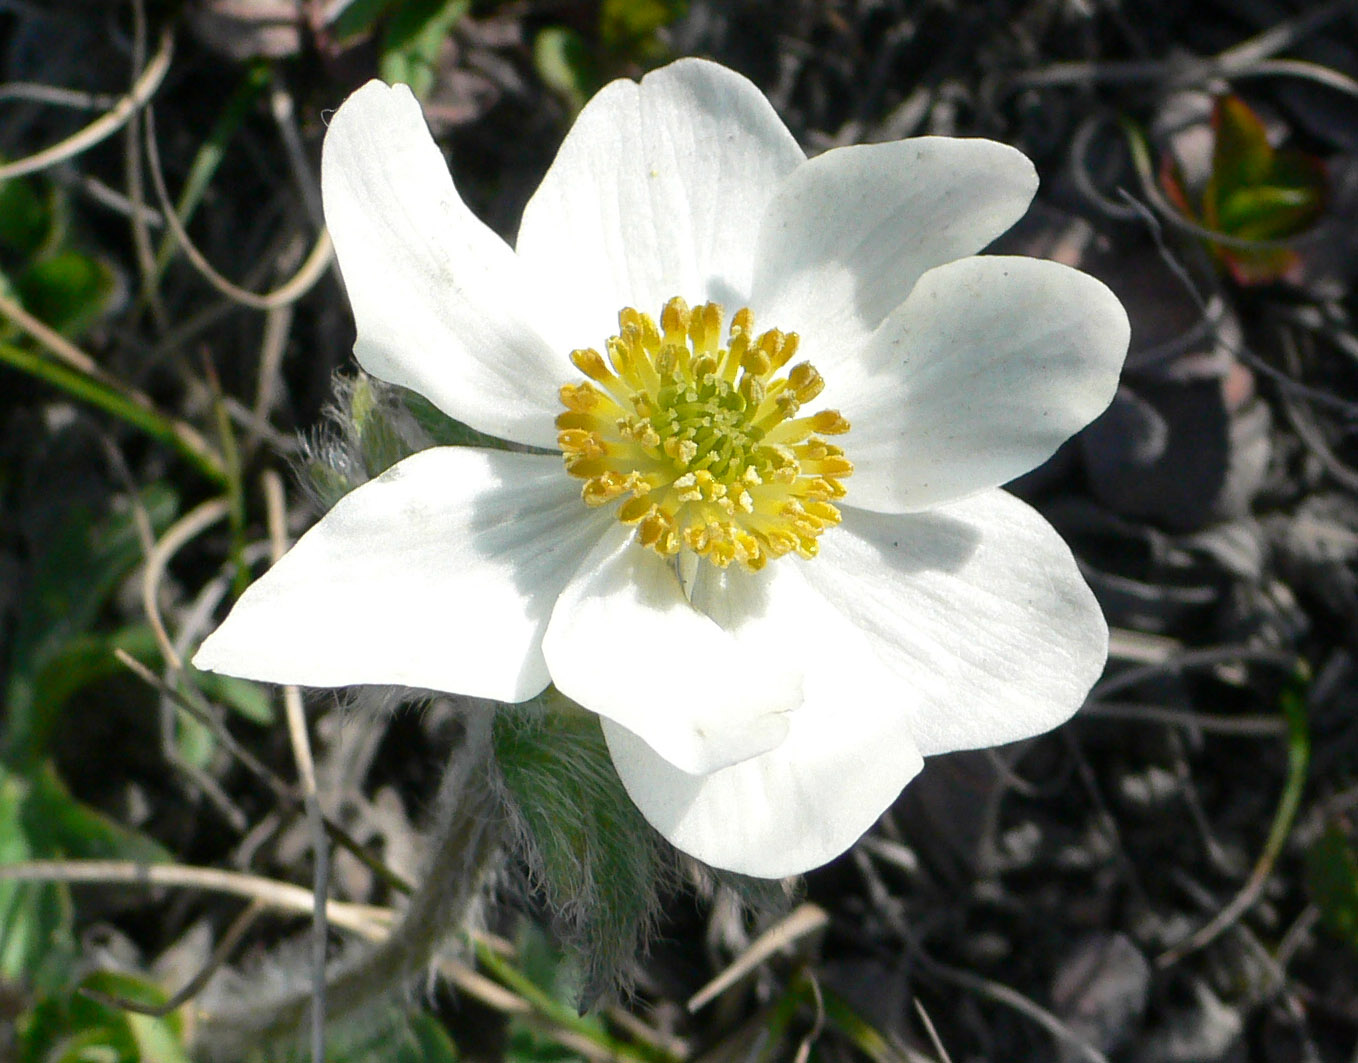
[674, 319]
[829, 422]
[579, 397]
[805, 382]
[591, 363]
[698, 443]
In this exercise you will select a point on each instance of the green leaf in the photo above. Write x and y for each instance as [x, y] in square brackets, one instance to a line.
[67, 290]
[88, 659]
[1241, 153]
[860, 1032]
[37, 942]
[1286, 203]
[599, 863]
[628, 26]
[425, 1041]
[157, 1041]
[41, 820]
[543, 974]
[1257, 193]
[210, 154]
[1332, 878]
[382, 1035]
[26, 220]
[194, 741]
[71, 1026]
[413, 40]
[529, 1045]
[565, 65]
[66, 828]
[248, 699]
[360, 16]
[97, 1045]
[375, 420]
[70, 582]
[371, 427]
[1267, 212]
[325, 478]
[110, 395]
[81, 662]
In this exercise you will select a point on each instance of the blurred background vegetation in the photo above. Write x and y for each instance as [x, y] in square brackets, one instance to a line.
[1172, 877]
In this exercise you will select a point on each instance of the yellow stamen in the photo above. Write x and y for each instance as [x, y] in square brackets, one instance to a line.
[704, 439]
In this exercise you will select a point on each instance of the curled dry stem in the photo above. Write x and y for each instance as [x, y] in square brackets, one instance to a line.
[185, 530]
[311, 270]
[235, 934]
[103, 127]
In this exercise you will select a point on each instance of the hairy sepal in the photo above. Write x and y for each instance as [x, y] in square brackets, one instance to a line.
[599, 865]
[368, 428]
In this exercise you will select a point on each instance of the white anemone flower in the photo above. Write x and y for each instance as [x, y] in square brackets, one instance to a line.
[773, 629]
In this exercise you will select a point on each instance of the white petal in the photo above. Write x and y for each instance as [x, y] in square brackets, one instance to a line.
[979, 608]
[624, 642]
[988, 367]
[849, 233]
[847, 754]
[439, 574]
[440, 301]
[656, 192]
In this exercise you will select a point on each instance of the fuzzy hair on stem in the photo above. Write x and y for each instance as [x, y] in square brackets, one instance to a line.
[584, 849]
[368, 428]
[462, 844]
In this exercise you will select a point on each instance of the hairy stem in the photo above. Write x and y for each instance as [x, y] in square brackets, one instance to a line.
[463, 838]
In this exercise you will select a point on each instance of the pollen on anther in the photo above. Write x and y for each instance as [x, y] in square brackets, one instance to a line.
[700, 444]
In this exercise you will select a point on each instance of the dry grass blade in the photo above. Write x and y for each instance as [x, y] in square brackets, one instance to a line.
[56, 96]
[1298, 760]
[805, 919]
[368, 921]
[1242, 60]
[81, 365]
[1049, 879]
[1305, 425]
[1254, 725]
[1211, 657]
[136, 191]
[286, 794]
[276, 508]
[1298, 68]
[932, 1032]
[1003, 994]
[1284, 35]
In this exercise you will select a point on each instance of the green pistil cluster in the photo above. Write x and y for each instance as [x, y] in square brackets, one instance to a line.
[712, 415]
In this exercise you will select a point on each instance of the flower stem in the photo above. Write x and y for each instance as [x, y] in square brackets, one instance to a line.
[463, 839]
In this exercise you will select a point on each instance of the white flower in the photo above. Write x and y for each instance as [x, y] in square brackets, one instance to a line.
[762, 710]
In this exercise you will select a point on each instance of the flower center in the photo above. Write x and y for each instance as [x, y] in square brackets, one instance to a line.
[704, 440]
